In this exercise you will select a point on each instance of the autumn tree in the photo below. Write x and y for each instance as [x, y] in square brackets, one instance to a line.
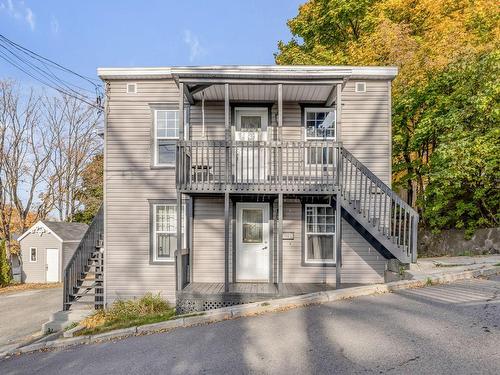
[72, 127]
[24, 158]
[90, 191]
[424, 38]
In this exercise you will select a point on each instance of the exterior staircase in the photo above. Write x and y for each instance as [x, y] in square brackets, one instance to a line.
[84, 274]
[378, 210]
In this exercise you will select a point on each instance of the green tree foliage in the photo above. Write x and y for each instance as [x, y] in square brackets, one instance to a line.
[462, 117]
[445, 97]
[90, 193]
[5, 274]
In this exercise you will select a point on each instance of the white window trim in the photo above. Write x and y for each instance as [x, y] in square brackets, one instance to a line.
[306, 233]
[36, 255]
[131, 84]
[156, 138]
[315, 110]
[318, 109]
[356, 86]
[184, 237]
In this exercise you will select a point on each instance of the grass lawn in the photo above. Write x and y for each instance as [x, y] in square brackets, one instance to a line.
[27, 286]
[123, 314]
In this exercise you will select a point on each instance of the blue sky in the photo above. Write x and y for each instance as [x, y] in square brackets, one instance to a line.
[84, 35]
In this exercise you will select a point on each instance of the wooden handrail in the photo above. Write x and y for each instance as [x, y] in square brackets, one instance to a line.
[380, 209]
[274, 166]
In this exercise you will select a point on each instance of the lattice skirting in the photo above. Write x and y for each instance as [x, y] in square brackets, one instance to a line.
[189, 303]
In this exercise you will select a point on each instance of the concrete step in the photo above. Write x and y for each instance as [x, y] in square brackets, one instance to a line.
[61, 319]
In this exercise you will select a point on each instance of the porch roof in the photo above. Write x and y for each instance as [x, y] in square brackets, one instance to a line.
[256, 82]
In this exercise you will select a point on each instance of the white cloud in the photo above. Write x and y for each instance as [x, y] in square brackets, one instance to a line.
[54, 25]
[30, 18]
[195, 48]
[19, 11]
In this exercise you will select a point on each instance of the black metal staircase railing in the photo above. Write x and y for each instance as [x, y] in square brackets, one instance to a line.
[78, 265]
[379, 209]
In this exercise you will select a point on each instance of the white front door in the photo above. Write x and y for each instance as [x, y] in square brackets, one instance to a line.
[252, 242]
[52, 266]
[250, 126]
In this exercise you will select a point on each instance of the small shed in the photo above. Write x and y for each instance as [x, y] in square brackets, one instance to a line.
[46, 249]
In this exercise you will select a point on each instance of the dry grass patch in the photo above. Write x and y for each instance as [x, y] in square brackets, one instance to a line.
[128, 313]
[28, 286]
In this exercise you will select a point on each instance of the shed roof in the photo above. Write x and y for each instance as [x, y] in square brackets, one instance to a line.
[63, 231]
[67, 231]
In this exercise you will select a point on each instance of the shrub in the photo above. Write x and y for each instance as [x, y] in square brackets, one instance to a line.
[5, 275]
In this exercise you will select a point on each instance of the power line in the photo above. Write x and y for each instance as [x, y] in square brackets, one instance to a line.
[49, 75]
[7, 59]
[45, 75]
[27, 50]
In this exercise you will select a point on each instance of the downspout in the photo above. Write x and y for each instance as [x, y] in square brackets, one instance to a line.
[203, 135]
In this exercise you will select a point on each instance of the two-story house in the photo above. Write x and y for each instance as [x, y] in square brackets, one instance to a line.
[231, 184]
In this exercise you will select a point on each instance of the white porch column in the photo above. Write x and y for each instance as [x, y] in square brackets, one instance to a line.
[338, 115]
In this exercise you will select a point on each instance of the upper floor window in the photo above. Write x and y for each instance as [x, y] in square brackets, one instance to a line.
[166, 130]
[320, 123]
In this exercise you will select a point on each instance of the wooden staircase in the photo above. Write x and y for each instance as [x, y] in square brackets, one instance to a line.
[84, 274]
[377, 209]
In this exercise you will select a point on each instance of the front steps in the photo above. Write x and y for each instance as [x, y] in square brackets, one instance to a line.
[88, 292]
[62, 319]
[377, 209]
[84, 274]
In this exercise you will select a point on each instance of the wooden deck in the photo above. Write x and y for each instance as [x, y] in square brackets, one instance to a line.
[260, 289]
[207, 296]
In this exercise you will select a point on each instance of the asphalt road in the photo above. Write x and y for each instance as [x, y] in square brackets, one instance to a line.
[23, 313]
[447, 329]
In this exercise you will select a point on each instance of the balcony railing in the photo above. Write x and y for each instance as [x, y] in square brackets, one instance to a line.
[256, 166]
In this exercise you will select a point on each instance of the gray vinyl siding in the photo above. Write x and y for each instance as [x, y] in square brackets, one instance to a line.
[361, 263]
[365, 129]
[35, 272]
[129, 183]
[208, 240]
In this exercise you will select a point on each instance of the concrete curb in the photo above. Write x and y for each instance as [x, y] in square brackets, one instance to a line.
[257, 308]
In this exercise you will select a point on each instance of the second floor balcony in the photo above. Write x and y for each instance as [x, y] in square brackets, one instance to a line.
[258, 166]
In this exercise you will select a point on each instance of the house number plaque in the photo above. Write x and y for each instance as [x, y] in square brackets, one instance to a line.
[288, 235]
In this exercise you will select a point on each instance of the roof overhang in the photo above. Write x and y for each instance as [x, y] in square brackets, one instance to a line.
[277, 73]
[256, 83]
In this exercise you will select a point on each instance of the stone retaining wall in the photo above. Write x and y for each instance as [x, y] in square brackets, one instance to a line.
[453, 243]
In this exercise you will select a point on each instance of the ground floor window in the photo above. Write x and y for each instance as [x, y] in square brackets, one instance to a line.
[33, 254]
[164, 236]
[319, 234]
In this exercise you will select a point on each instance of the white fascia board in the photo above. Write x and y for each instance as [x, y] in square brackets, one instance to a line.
[134, 73]
[259, 71]
[367, 72]
[39, 224]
